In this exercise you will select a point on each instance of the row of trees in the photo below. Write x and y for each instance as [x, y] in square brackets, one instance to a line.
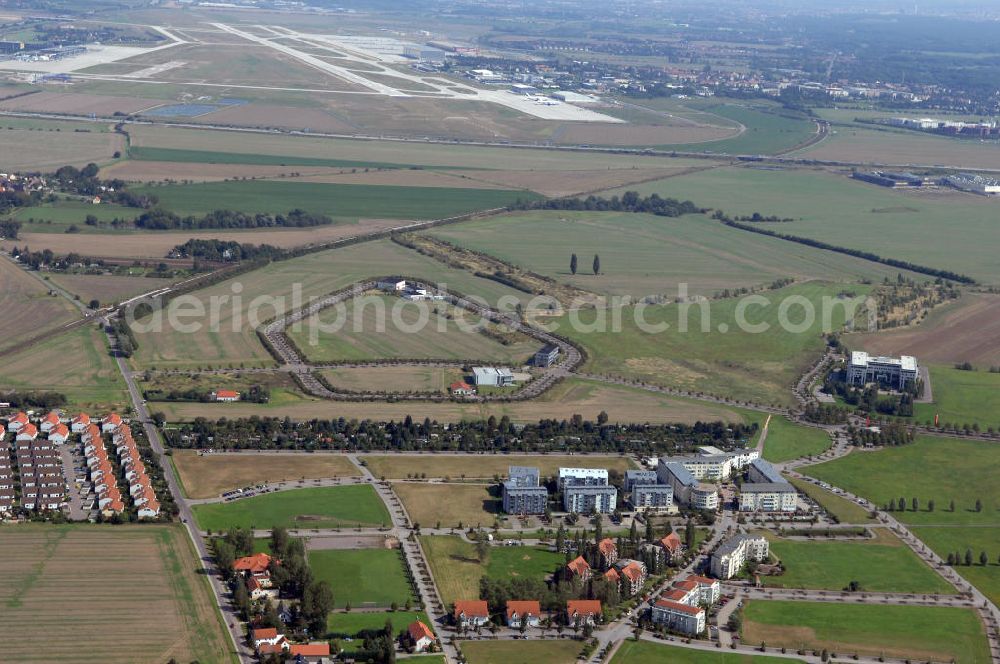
[159, 219]
[254, 394]
[954, 559]
[222, 251]
[899, 505]
[487, 435]
[630, 201]
[595, 266]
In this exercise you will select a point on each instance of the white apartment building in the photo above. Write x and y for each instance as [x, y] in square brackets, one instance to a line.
[735, 553]
[768, 497]
[686, 488]
[583, 477]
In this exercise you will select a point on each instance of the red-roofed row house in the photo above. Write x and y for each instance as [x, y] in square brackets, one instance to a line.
[680, 608]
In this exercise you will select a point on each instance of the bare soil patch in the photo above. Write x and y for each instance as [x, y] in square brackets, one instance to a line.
[77, 103]
[28, 308]
[108, 289]
[568, 183]
[265, 115]
[645, 135]
[965, 331]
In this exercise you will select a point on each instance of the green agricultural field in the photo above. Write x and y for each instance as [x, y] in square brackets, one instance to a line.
[735, 348]
[932, 468]
[457, 570]
[644, 255]
[59, 216]
[787, 440]
[362, 577]
[883, 564]
[944, 230]
[978, 540]
[844, 510]
[521, 652]
[321, 507]
[918, 632]
[383, 327]
[209, 157]
[766, 130]
[234, 341]
[91, 382]
[645, 652]
[962, 397]
[350, 623]
[344, 201]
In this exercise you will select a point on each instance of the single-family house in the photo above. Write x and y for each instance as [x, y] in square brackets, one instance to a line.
[523, 612]
[49, 422]
[583, 612]
[17, 422]
[471, 613]
[225, 395]
[28, 432]
[80, 423]
[259, 586]
[462, 389]
[150, 510]
[266, 640]
[259, 562]
[579, 568]
[111, 422]
[421, 636]
[59, 434]
[309, 652]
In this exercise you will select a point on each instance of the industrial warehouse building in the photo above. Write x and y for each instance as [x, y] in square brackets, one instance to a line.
[892, 372]
[492, 376]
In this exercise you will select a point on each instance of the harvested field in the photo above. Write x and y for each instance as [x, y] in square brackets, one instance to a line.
[107, 289]
[209, 475]
[405, 178]
[521, 652]
[91, 381]
[588, 133]
[142, 580]
[448, 504]
[77, 103]
[24, 149]
[571, 397]
[267, 115]
[567, 183]
[393, 378]
[28, 308]
[158, 245]
[484, 466]
[967, 330]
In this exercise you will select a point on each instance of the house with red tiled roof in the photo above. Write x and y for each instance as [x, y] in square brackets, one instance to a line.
[672, 546]
[633, 576]
[50, 421]
[420, 635]
[709, 589]
[259, 562]
[17, 422]
[609, 552]
[471, 613]
[80, 423]
[583, 612]
[678, 616]
[3, 432]
[579, 568]
[111, 422]
[150, 510]
[59, 434]
[28, 432]
[266, 640]
[225, 395]
[523, 612]
[461, 389]
[309, 652]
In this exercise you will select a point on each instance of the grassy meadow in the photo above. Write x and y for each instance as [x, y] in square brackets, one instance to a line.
[484, 466]
[209, 475]
[943, 229]
[845, 510]
[714, 355]
[787, 440]
[645, 652]
[362, 578]
[977, 539]
[643, 254]
[318, 507]
[521, 652]
[918, 632]
[448, 504]
[962, 397]
[350, 623]
[334, 200]
[883, 564]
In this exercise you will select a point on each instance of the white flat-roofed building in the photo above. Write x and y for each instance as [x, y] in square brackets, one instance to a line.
[523, 475]
[493, 376]
[635, 478]
[652, 497]
[588, 499]
[583, 477]
[894, 372]
[730, 558]
[678, 616]
[686, 488]
[768, 497]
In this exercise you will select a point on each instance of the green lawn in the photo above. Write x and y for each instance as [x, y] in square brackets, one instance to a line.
[57, 217]
[521, 652]
[355, 621]
[880, 565]
[962, 397]
[947, 231]
[787, 440]
[209, 157]
[945, 540]
[457, 571]
[335, 200]
[320, 507]
[736, 347]
[644, 255]
[932, 468]
[845, 510]
[645, 652]
[919, 632]
[362, 577]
